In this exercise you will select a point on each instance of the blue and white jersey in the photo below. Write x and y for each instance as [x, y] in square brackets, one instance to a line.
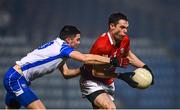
[44, 59]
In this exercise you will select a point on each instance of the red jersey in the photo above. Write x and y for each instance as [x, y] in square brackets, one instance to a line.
[104, 46]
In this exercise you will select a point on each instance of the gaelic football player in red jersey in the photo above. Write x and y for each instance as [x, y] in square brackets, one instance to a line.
[97, 81]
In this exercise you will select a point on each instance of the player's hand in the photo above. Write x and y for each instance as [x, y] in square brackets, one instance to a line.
[119, 62]
[147, 68]
[127, 77]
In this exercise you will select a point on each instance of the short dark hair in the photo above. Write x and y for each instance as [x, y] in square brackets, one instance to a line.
[68, 31]
[115, 17]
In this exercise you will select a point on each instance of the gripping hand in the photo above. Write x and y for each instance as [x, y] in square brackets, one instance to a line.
[127, 77]
[147, 68]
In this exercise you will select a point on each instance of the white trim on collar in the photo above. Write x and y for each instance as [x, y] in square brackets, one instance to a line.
[59, 39]
[110, 38]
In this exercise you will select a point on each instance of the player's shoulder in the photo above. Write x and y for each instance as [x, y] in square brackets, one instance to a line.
[61, 43]
[102, 38]
[101, 42]
[103, 35]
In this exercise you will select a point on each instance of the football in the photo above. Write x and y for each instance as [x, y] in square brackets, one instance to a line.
[143, 77]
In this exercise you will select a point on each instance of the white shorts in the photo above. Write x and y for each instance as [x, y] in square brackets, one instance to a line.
[91, 86]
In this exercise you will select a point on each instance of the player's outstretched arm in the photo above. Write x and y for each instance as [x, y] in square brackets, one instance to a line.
[93, 59]
[135, 61]
[104, 71]
[109, 72]
[69, 73]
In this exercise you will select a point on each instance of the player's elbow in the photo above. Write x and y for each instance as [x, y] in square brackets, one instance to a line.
[94, 73]
[66, 75]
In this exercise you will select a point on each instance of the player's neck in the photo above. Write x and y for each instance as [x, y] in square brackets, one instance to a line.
[115, 41]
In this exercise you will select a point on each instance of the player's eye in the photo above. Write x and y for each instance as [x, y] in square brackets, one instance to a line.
[78, 39]
[123, 27]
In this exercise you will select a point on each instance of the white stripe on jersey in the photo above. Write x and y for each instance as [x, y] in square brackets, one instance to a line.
[44, 59]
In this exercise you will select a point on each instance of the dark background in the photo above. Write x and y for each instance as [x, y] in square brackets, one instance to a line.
[154, 33]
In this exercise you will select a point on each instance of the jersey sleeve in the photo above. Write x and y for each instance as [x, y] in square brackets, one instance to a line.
[66, 50]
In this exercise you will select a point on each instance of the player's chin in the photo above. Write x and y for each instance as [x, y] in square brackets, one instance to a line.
[75, 47]
[120, 37]
[123, 35]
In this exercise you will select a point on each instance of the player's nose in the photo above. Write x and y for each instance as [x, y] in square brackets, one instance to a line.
[125, 30]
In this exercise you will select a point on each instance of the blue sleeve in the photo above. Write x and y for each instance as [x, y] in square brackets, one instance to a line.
[66, 50]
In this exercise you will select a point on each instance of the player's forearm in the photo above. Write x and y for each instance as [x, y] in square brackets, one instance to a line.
[69, 73]
[89, 58]
[104, 74]
[72, 73]
[96, 59]
[104, 71]
[135, 61]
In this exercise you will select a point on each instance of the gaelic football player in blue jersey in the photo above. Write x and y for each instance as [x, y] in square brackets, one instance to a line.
[44, 60]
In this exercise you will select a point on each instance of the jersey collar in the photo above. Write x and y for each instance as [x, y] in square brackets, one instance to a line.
[60, 41]
[110, 38]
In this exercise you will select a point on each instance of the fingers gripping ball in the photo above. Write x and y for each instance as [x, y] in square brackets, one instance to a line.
[143, 77]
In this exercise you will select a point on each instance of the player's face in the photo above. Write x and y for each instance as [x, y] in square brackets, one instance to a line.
[74, 42]
[119, 30]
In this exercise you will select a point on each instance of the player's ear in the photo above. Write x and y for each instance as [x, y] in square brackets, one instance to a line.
[68, 40]
[112, 26]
